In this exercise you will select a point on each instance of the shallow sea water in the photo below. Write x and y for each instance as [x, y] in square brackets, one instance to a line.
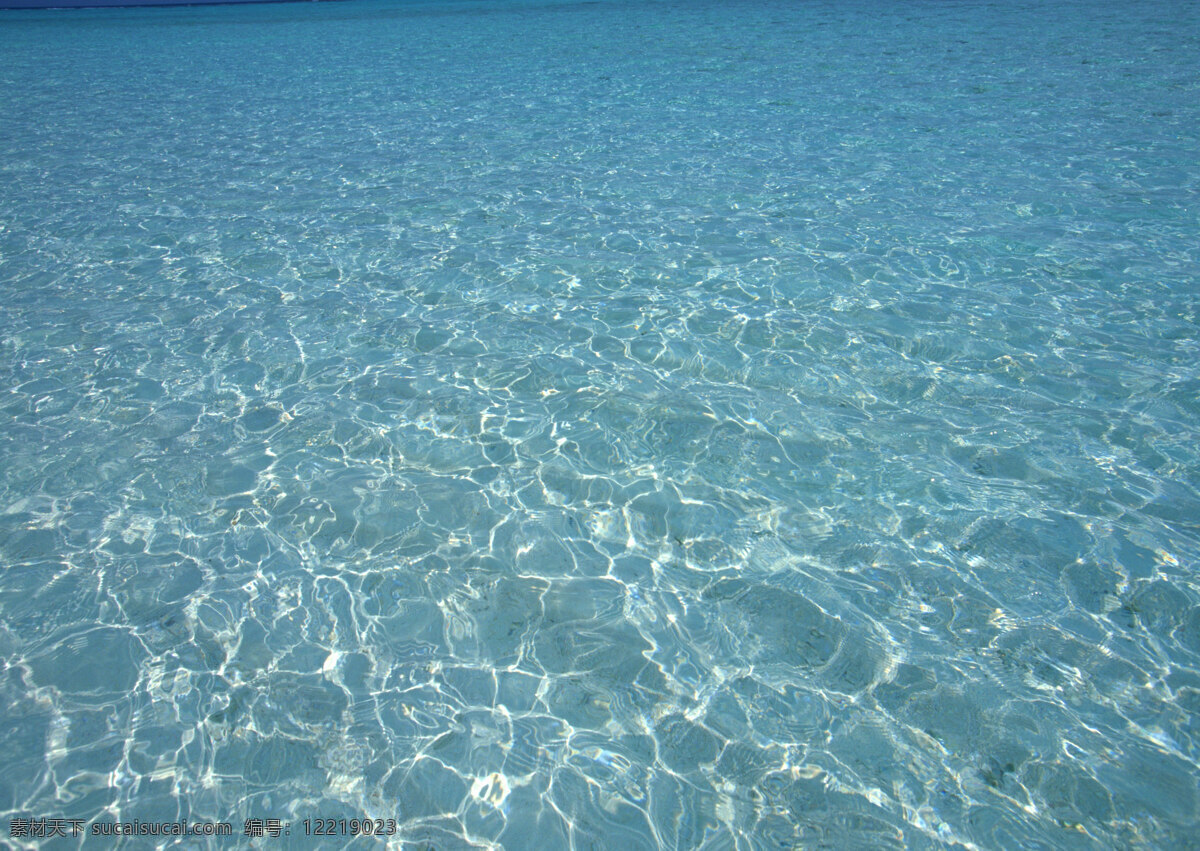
[621, 425]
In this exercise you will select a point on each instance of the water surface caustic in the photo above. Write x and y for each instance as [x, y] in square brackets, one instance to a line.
[642, 425]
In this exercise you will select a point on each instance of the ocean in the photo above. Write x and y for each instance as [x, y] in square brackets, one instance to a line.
[671, 424]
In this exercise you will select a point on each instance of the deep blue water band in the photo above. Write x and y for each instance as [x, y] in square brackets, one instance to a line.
[103, 4]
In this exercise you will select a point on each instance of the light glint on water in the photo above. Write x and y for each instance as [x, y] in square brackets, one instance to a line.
[660, 424]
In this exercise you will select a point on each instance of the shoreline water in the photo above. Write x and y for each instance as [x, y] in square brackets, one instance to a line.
[746, 422]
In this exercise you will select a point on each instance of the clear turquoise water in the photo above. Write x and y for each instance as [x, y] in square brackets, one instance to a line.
[627, 425]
